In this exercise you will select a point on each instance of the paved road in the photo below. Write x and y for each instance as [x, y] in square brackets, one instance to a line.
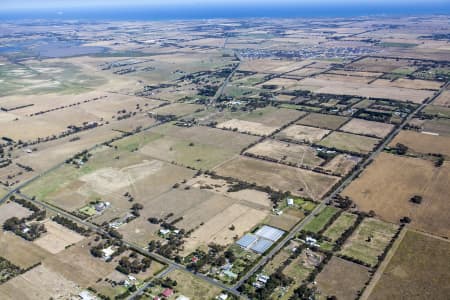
[172, 265]
[336, 191]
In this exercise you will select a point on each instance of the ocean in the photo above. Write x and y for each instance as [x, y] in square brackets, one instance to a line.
[181, 12]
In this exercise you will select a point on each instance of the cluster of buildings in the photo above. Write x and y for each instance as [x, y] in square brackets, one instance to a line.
[261, 240]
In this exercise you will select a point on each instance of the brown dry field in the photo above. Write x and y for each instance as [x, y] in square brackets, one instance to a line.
[19, 251]
[302, 133]
[364, 90]
[323, 121]
[337, 77]
[39, 283]
[355, 73]
[51, 153]
[307, 71]
[440, 126]
[390, 181]
[57, 237]
[330, 281]
[77, 264]
[271, 66]
[423, 143]
[416, 84]
[272, 116]
[374, 64]
[282, 83]
[342, 164]
[208, 136]
[12, 209]
[300, 182]
[216, 229]
[360, 126]
[443, 99]
[418, 270]
[349, 142]
[177, 109]
[193, 287]
[287, 152]
[247, 126]
[287, 220]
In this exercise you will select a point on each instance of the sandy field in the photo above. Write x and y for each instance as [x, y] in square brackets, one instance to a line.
[41, 283]
[390, 181]
[12, 209]
[303, 133]
[216, 230]
[57, 237]
[247, 126]
[360, 126]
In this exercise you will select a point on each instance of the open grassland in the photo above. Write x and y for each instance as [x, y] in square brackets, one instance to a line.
[342, 279]
[321, 219]
[344, 87]
[19, 251]
[443, 99]
[107, 176]
[286, 152]
[193, 287]
[177, 109]
[331, 122]
[349, 142]
[387, 185]
[440, 126]
[418, 270]
[369, 240]
[359, 126]
[300, 182]
[302, 133]
[423, 143]
[437, 111]
[339, 226]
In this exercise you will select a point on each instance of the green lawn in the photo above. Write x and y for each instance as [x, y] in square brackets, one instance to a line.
[369, 240]
[342, 223]
[320, 220]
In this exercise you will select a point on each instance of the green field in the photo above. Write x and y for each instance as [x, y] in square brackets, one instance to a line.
[45, 77]
[339, 226]
[397, 45]
[369, 240]
[320, 220]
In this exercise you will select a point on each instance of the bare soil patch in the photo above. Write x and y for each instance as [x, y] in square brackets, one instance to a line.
[388, 184]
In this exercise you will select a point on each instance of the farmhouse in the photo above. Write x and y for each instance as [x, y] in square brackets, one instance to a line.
[167, 293]
[108, 252]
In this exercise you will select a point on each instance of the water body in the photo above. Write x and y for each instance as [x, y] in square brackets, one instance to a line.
[48, 48]
[235, 11]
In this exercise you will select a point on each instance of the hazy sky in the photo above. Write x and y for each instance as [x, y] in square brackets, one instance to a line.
[62, 4]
